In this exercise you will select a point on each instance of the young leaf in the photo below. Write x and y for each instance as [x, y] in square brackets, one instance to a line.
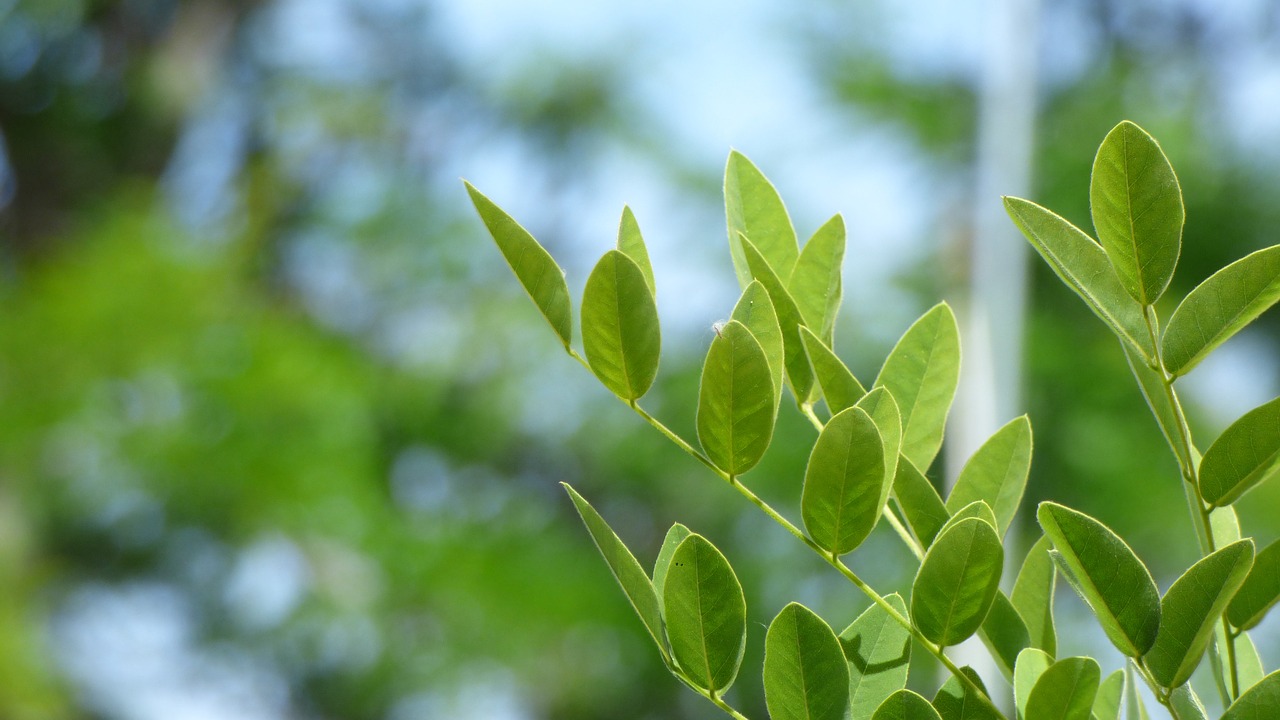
[840, 388]
[1065, 691]
[957, 701]
[1259, 702]
[755, 310]
[1082, 265]
[1244, 455]
[735, 401]
[620, 326]
[1191, 608]
[904, 705]
[1004, 632]
[922, 371]
[706, 614]
[1260, 591]
[631, 243]
[816, 280]
[843, 484]
[1210, 314]
[1137, 210]
[1033, 596]
[957, 582]
[675, 535]
[1030, 665]
[789, 320]
[754, 209]
[805, 675]
[883, 410]
[976, 509]
[878, 651]
[1107, 575]
[921, 505]
[625, 568]
[541, 277]
[997, 473]
[1110, 699]
[1152, 386]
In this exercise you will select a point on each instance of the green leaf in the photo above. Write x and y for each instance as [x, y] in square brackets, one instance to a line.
[1219, 307]
[1244, 455]
[997, 473]
[957, 582]
[1065, 691]
[755, 310]
[904, 705]
[843, 484]
[754, 209]
[675, 535]
[921, 505]
[1186, 704]
[1107, 705]
[1190, 609]
[957, 701]
[1005, 633]
[1107, 575]
[1082, 265]
[1137, 210]
[789, 320]
[1248, 662]
[1030, 665]
[840, 388]
[541, 277]
[1151, 384]
[1033, 596]
[1224, 524]
[976, 509]
[805, 675]
[735, 401]
[878, 650]
[1134, 707]
[880, 405]
[922, 371]
[1260, 702]
[631, 243]
[625, 568]
[620, 326]
[706, 614]
[1260, 591]
[815, 282]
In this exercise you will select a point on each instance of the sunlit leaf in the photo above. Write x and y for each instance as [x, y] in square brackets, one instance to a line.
[675, 535]
[957, 582]
[883, 410]
[921, 505]
[1245, 454]
[904, 705]
[789, 320]
[839, 387]
[706, 614]
[1110, 700]
[1219, 307]
[1259, 702]
[878, 650]
[997, 473]
[735, 401]
[1030, 665]
[843, 484]
[816, 280]
[1033, 596]
[754, 209]
[1135, 708]
[631, 243]
[1260, 591]
[1249, 669]
[805, 675]
[1186, 704]
[976, 509]
[755, 310]
[1004, 633]
[957, 701]
[1137, 210]
[922, 372]
[620, 326]
[541, 277]
[1065, 691]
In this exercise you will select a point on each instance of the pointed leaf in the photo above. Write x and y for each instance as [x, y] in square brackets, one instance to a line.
[1082, 265]
[957, 701]
[1004, 633]
[675, 535]
[878, 650]
[1229, 300]
[1065, 691]
[1260, 591]
[1110, 699]
[1260, 702]
[921, 505]
[1033, 596]
[1031, 664]
[789, 320]
[904, 705]
[922, 371]
[843, 484]
[1246, 454]
[625, 568]
[754, 209]
[1135, 709]
[631, 243]
[541, 277]
[735, 401]
[883, 410]
[706, 614]
[816, 280]
[1106, 573]
[755, 310]
[840, 388]
[805, 675]
[997, 473]
[1137, 210]
[620, 326]
[1151, 384]
[957, 582]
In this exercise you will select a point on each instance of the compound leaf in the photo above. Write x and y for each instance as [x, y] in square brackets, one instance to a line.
[735, 401]
[922, 371]
[706, 614]
[620, 326]
[805, 675]
[1244, 455]
[878, 650]
[997, 473]
[753, 209]
[843, 484]
[957, 582]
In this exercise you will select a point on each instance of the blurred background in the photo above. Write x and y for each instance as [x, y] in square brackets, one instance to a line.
[281, 436]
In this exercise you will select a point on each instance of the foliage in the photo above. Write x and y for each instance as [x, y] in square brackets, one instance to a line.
[873, 451]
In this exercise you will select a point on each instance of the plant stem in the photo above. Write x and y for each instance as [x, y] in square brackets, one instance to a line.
[903, 533]
[806, 409]
[714, 698]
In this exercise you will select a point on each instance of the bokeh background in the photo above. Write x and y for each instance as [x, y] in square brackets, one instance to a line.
[281, 436]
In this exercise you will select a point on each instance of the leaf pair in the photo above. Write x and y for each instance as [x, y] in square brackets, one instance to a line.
[1064, 690]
